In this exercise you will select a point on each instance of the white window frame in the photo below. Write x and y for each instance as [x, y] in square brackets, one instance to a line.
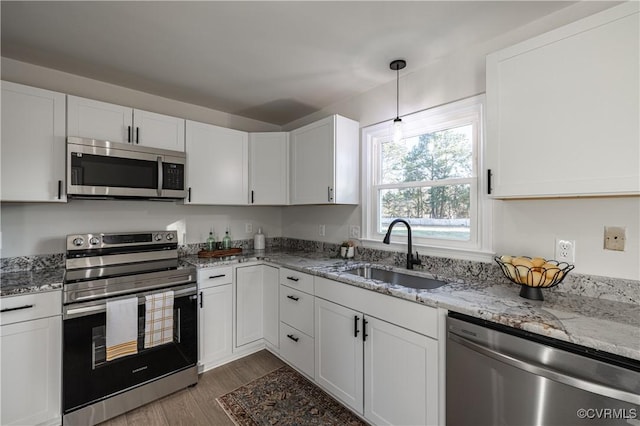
[459, 113]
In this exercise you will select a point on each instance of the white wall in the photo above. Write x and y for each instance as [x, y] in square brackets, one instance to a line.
[520, 227]
[40, 228]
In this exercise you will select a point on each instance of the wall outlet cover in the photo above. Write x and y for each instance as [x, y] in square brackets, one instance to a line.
[354, 231]
[614, 238]
[321, 230]
[565, 250]
[248, 228]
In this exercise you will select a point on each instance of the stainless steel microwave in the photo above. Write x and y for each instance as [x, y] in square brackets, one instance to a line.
[103, 169]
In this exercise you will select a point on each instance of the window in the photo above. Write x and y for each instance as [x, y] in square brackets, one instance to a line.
[429, 178]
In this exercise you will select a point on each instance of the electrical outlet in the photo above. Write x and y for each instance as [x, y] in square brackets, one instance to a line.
[614, 238]
[565, 250]
[321, 230]
[248, 228]
[354, 231]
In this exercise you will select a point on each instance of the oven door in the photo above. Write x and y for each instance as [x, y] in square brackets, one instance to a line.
[107, 169]
[89, 378]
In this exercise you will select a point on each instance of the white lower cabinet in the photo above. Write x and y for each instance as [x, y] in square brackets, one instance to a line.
[297, 341]
[215, 317]
[383, 371]
[256, 305]
[339, 352]
[400, 375]
[31, 359]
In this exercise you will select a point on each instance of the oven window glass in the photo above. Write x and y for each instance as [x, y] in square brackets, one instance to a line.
[99, 170]
[88, 377]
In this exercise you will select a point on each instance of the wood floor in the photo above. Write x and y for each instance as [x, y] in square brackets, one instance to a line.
[197, 405]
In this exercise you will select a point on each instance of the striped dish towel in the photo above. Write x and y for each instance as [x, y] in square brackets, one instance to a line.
[158, 324]
[122, 328]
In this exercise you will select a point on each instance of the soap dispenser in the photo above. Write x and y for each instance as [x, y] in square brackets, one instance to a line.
[226, 241]
[258, 240]
[211, 241]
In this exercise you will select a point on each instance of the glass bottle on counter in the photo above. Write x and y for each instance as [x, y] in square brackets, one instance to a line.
[226, 241]
[211, 241]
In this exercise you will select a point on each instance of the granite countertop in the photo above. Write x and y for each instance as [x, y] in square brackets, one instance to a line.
[32, 281]
[597, 323]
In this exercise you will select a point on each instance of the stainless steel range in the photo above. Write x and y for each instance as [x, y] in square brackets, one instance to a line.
[129, 323]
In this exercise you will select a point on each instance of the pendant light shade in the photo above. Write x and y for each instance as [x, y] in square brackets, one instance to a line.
[397, 65]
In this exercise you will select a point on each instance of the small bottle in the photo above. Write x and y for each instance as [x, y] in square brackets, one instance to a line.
[211, 241]
[258, 240]
[226, 241]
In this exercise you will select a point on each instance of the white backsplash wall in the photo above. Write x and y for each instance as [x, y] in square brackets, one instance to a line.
[40, 228]
[303, 222]
[530, 227]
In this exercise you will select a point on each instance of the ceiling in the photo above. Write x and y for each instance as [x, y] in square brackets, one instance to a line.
[270, 61]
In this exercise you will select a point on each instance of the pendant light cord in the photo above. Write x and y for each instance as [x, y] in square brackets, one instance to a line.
[397, 93]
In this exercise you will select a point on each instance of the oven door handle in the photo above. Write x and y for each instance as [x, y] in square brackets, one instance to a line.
[90, 308]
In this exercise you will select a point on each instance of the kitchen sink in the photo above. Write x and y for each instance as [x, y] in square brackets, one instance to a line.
[393, 277]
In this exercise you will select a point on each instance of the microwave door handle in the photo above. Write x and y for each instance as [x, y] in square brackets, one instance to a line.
[159, 176]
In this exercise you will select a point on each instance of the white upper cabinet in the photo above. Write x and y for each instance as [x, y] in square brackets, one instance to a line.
[563, 108]
[33, 144]
[325, 162]
[269, 168]
[217, 165]
[88, 118]
[158, 131]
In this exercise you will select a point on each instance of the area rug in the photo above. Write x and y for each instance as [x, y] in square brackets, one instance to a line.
[284, 397]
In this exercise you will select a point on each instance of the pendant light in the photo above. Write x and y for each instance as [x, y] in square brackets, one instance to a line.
[397, 65]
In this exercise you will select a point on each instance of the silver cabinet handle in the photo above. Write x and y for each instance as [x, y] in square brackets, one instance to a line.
[548, 373]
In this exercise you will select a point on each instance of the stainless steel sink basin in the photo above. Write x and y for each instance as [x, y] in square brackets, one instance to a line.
[393, 277]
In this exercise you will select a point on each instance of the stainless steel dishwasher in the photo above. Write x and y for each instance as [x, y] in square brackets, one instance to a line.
[497, 375]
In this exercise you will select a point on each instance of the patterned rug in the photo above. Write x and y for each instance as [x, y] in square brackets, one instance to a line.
[284, 397]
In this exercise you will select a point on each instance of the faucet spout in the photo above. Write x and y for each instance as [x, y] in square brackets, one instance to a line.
[387, 239]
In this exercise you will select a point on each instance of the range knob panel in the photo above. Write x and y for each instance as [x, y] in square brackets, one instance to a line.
[79, 241]
[170, 236]
[94, 240]
[157, 237]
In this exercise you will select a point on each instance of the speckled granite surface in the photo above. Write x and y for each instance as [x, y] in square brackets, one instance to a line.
[602, 324]
[31, 281]
[598, 312]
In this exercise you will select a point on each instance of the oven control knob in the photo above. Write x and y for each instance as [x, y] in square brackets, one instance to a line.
[169, 237]
[78, 242]
[157, 237]
[94, 240]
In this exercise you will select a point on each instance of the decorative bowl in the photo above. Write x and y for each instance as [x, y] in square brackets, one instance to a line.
[533, 274]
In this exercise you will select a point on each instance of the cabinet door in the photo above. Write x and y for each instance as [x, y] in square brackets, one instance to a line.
[216, 324]
[249, 304]
[217, 165]
[33, 144]
[339, 352]
[312, 163]
[269, 168]
[271, 301]
[30, 363]
[87, 118]
[401, 375]
[563, 108]
[158, 131]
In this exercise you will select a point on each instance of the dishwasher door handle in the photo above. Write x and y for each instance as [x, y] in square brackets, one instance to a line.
[547, 373]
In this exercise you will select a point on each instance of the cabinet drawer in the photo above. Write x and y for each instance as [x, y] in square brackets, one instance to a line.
[211, 277]
[296, 309]
[297, 348]
[30, 306]
[295, 279]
